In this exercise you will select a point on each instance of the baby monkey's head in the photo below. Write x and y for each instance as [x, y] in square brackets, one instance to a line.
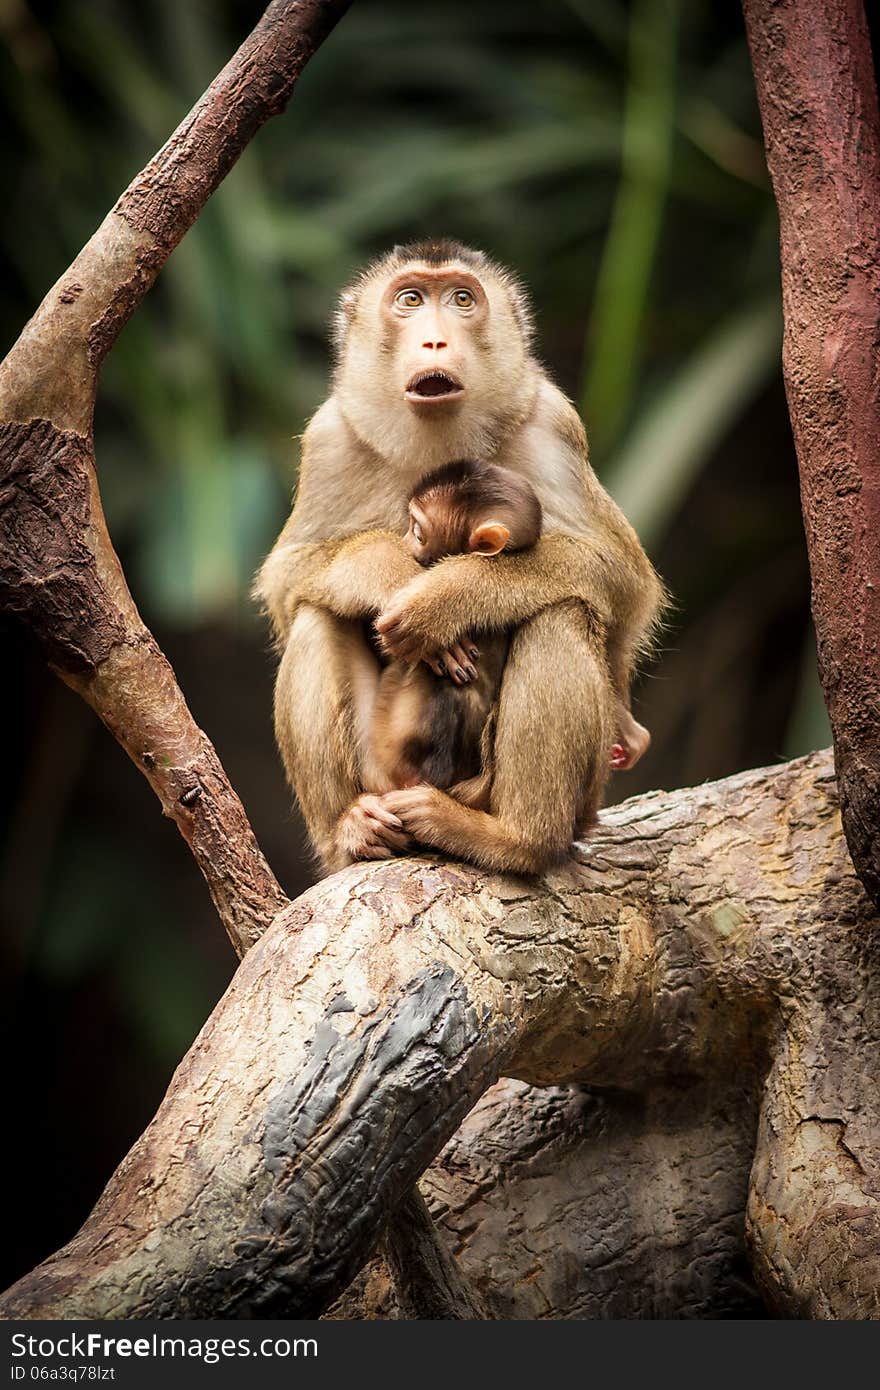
[466, 506]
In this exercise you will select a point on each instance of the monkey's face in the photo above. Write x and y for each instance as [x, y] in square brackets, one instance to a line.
[438, 527]
[435, 531]
[436, 321]
[434, 358]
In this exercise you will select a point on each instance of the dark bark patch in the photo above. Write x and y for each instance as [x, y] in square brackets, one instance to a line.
[48, 575]
[376, 1106]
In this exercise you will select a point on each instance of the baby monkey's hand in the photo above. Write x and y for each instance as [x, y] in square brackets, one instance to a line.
[457, 662]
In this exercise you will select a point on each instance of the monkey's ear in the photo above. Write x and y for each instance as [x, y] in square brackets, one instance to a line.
[489, 538]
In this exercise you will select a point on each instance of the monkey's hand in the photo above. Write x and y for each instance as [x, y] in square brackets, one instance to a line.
[633, 741]
[367, 830]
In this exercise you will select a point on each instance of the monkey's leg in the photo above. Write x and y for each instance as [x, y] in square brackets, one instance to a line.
[475, 792]
[551, 753]
[323, 680]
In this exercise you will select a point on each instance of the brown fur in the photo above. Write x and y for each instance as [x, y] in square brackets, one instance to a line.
[582, 603]
[427, 730]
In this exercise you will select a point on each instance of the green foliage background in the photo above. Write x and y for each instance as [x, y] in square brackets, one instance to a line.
[611, 153]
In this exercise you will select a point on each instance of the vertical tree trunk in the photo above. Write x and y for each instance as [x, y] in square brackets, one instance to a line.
[815, 79]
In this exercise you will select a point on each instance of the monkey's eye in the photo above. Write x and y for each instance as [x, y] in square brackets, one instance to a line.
[463, 299]
[408, 299]
[417, 532]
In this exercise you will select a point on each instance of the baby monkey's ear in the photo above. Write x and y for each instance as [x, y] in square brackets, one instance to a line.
[489, 538]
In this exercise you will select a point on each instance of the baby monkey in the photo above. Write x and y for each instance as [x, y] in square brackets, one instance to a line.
[423, 728]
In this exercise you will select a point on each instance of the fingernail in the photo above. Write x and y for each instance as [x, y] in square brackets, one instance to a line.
[472, 672]
[475, 653]
[441, 667]
[460, 673]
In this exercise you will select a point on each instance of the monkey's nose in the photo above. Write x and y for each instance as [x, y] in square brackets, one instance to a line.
[435, 345]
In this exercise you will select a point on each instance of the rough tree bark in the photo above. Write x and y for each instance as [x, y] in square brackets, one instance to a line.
[706, 967]
[815, 78]
[710, 960]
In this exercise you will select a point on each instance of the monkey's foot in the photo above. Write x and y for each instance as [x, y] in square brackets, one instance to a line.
[633, 740]
[368, 831]
[423, 811]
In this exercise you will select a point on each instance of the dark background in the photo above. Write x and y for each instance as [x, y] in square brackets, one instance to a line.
[611, 153]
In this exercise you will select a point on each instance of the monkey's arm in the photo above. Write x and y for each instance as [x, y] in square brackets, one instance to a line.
[469, 593]
[357, 577]
[351, 577]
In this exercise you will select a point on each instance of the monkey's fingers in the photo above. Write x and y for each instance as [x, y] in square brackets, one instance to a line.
[619, 757]
[374, 849]
[455, 663]
[390, 627]
[372, 807]
[459, 664]
[395, 643]
[397, 638]
[416, 806]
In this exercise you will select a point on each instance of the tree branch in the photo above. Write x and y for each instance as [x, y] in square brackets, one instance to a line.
[58, 569]
[697, 928]
[815, 80]
[427, 1279]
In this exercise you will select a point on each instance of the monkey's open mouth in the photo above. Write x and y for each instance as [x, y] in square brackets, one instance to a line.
[433, 386]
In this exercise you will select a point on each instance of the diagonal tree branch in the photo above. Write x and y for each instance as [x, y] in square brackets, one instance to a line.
[58, 569]
[815, 78]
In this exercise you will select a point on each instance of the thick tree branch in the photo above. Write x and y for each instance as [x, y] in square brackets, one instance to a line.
[58, 569]
[427, 1280]
[815, 79]
[705, 938]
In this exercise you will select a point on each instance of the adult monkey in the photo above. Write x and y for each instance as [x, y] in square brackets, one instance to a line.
[434, 363]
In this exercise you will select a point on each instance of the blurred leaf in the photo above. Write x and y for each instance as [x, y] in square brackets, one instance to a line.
[677, 432]
[101, 907]
[605, 19]
[713, 132]
[78, 929]
[616, 325]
